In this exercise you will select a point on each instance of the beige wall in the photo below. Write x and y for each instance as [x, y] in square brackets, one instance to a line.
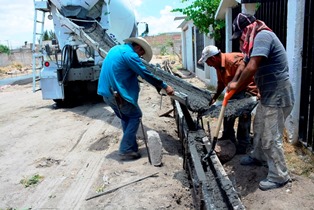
[22, 56]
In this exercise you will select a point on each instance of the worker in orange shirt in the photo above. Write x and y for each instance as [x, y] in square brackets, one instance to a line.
[228, 68]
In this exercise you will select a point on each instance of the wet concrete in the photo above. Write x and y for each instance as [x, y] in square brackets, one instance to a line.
[217, 188]
[234, 108]
[197, 99]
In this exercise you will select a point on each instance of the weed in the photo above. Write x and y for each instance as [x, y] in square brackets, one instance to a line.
[31, 181]
[299, 160]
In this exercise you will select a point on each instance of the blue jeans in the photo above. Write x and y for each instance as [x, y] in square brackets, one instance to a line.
[130, 116]
[244, 125]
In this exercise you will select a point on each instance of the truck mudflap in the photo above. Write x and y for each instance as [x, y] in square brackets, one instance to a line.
[49, 83]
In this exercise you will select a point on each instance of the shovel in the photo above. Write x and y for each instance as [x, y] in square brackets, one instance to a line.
[227, 96]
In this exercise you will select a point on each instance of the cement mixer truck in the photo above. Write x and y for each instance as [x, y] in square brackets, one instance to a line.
[85, 31]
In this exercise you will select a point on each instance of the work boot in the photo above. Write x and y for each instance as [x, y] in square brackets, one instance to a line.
[129, 156]
[268, 185]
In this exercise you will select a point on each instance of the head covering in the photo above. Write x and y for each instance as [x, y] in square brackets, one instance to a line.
[144, 44]
[207, 52]
[240, 23]
[249, 33]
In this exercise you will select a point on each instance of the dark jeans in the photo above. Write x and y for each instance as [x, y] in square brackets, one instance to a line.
[130, 116]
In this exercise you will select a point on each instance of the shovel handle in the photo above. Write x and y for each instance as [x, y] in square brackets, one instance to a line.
[227, 96]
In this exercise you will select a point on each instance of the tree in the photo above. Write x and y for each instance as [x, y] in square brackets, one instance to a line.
[4, 49]
[46, 36]
[49, 35]
[202, 12]
[52, 35]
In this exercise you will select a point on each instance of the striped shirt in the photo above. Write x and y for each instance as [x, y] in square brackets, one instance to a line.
[272, 76]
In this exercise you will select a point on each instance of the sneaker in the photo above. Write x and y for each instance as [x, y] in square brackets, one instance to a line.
[268, 185]
[130, 156]
[248, 160]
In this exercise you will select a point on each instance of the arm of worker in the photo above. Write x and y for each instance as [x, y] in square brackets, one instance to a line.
[247, 73]
[239, 71]
[220, 88]
[135, 63]
[169, 90]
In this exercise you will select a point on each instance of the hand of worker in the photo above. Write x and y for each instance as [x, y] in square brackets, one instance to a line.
[212, 102]
[231, 86]
[169, 90]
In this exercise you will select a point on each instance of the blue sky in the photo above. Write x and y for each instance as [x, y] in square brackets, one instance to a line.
[157, 13]
[16, 18]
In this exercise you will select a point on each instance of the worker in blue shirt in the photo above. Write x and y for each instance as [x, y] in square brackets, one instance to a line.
[119, 86]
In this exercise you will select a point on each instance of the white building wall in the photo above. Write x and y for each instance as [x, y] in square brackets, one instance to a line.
[188, 51]
[184, 51]
[208, 74]
[294, 47]
[228, 22]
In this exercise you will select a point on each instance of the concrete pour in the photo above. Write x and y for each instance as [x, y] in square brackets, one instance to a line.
[234, 108]
[197, 99]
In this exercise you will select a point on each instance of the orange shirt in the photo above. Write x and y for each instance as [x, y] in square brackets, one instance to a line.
[229, 66]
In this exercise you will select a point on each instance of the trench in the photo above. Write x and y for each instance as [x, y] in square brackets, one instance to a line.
[211, 187]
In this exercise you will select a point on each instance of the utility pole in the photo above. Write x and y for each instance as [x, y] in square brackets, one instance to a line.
[8, 44]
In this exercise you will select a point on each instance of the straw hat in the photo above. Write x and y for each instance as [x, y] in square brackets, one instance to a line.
[144, 44]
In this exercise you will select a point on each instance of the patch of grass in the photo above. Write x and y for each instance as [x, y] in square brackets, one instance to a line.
[35, 179]
[299, 159]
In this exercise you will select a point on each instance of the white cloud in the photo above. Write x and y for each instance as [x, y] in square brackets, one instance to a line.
[136, 2]
[163, 24]
[16, 23]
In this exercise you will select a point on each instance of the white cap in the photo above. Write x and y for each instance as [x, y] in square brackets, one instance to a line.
[207, 52]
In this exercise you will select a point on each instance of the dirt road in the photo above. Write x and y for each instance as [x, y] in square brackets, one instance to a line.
[75, 152]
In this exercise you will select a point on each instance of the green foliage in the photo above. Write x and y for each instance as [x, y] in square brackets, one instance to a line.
[163, 50]
[49, 35]
[45, 36]
[164, 47]
[31, 181]
[4, 49]
[202, 12]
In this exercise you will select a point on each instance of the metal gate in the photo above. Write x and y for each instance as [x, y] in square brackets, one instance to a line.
[274, 14]
[306, 104]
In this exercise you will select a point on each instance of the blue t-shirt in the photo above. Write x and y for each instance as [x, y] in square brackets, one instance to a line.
[119, 72]
[272, 76]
